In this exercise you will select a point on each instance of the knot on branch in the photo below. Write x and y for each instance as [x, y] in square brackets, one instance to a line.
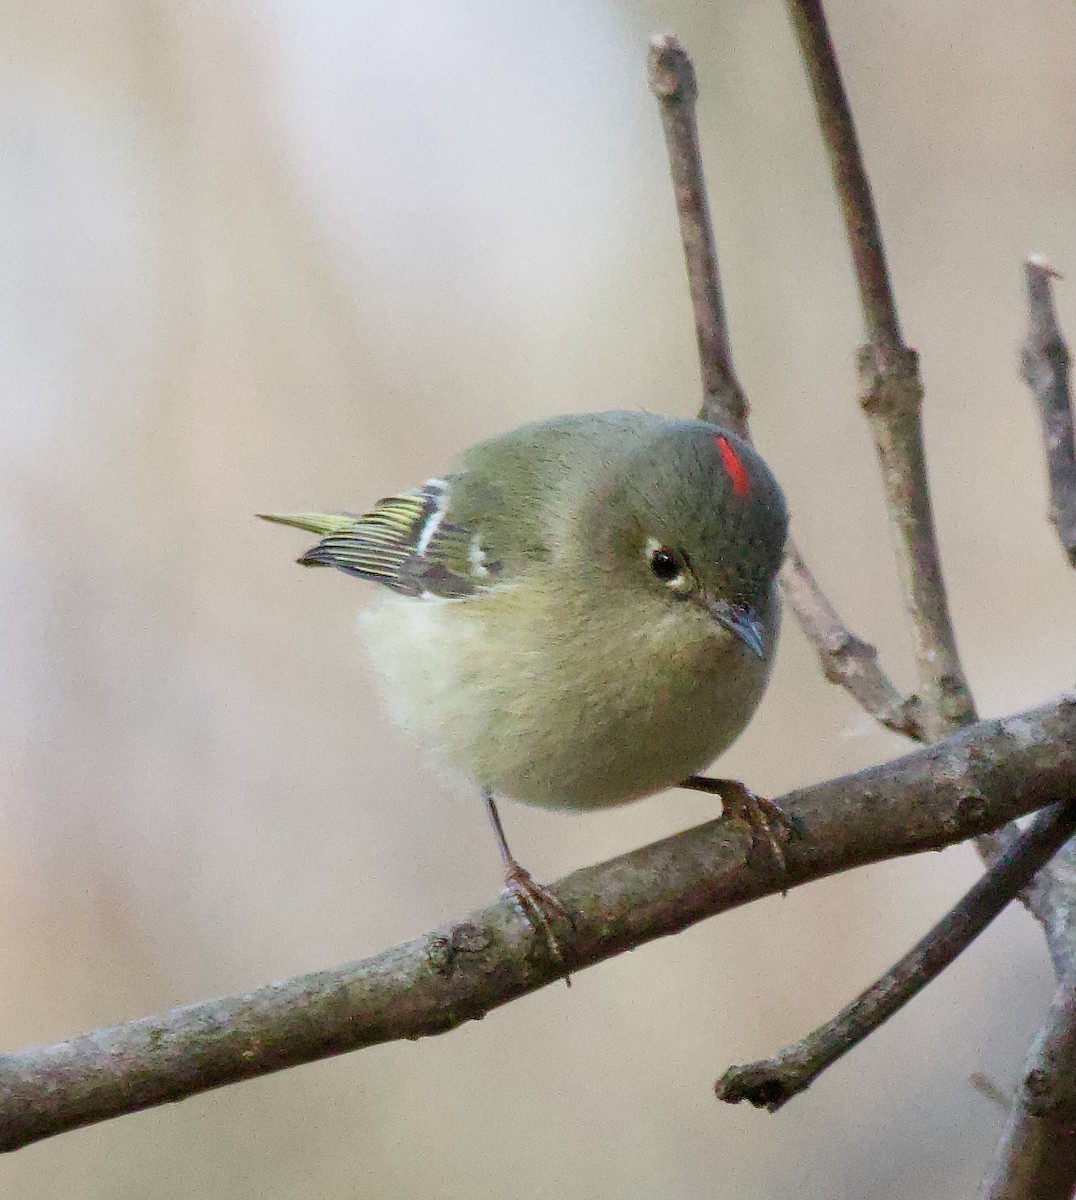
[1047, 1091]
[889, 382]
[851, 662]
[762, 1084]
[725, 404]
[843, 646]
[1043, 354]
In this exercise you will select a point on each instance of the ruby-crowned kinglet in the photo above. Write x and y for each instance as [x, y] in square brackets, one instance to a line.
[579, 613]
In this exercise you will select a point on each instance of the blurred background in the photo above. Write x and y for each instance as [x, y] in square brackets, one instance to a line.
[287, 255]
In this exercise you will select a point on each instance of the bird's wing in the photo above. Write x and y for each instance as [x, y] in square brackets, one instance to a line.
[407, 542]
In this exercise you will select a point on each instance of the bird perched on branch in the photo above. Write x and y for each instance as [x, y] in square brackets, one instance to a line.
[579, 613]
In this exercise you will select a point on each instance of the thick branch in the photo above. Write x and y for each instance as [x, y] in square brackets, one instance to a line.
[1036, 1157]
[772, 1082]
[939, 795]
[1045, 364]
[891, 392]
[846, 659]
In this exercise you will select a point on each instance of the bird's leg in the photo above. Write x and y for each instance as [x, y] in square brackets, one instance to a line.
[765, 818]
[540, 908]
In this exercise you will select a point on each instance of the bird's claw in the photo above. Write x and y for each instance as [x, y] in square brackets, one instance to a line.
[767, 820]
[537, 905]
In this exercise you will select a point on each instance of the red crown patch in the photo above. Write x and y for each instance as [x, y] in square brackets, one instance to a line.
[734, 468]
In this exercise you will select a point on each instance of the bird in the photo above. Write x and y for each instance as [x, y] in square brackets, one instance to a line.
[577, 614]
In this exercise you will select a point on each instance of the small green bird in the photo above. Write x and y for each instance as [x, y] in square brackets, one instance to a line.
[580, 613]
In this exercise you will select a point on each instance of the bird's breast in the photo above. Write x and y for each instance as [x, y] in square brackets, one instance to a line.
[543, 696]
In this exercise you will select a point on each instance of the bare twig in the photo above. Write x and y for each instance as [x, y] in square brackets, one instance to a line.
[988, 1088]
[846, 659]
[1036, 1157]
[1051, 899]
[891, 395]
[672, 80]
[938, 795]
[891, 399]
[849, 178]
[1045, 364]
[891, 392]
[772, 1082]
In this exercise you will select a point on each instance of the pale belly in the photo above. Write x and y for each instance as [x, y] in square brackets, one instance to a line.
[658, 699]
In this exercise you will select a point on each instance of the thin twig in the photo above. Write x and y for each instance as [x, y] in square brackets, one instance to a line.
[672, 80]
[891, 391]
[1045, 362]
[772, 1082]
[1051, 900]
[891, 395]
[937, 795]
[846, 659]
[989, 1089]
[849, 178]
[1036, 1157]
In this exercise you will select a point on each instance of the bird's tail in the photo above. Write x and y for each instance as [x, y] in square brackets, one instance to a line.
[321, 524]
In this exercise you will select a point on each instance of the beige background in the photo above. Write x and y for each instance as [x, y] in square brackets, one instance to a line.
[295, 254]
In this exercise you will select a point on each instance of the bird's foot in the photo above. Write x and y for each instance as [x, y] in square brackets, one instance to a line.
[766, 819]
[537, 904]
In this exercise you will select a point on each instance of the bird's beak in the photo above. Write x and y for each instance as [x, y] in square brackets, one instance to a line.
[742, 620]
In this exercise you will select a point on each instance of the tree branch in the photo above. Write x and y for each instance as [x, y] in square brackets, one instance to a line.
[772, 1082]
[1036, 1157]
[1045, 362]
[939, 795]
[672, 80]
[849, 178]
[891, 395]
[846, 659]
[891, 391]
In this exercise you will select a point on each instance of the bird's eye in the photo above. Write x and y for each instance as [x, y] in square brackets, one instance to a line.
[666, 565]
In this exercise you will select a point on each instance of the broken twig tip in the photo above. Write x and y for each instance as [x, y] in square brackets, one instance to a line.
[670, 72]
[1041, 265]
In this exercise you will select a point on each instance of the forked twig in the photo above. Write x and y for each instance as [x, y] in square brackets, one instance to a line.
[846, 659]
[891, 391]
[933, 797]
[891, 395]
[1035, 1158]
[772, 1082]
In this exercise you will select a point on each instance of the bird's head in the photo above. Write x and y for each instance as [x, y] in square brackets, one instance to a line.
[696, 517]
